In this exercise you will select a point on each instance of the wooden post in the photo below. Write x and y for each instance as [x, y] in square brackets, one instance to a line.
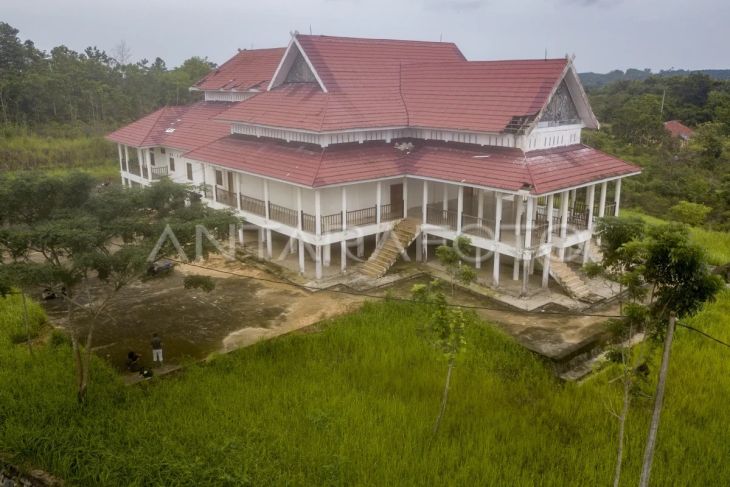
[318, 261]
[317, 214]
[591, 196]
[658, 402]
[527, 263]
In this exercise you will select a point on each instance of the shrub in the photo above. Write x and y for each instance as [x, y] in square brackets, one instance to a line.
[690, 213]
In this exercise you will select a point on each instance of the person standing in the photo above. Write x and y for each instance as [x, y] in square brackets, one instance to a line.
[156, 348]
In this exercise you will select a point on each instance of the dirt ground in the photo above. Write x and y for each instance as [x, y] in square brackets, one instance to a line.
[194, 324]
[250, 304]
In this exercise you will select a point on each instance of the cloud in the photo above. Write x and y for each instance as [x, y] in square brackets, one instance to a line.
[454, 5]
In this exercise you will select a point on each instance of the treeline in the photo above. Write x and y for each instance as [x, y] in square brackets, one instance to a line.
[698, 173]
[91, 89]
[599, 80]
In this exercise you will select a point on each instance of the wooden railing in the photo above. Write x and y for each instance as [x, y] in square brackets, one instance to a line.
[578, 215]
[282, 214]
[609, 209]
[365, 216]
[225, 197]
[253, 205]
[159, 172]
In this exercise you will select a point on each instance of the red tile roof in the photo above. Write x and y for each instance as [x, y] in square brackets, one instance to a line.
[678, 129]
[375, 83]
[507, 169]
[480, 96]
[248, 69]
[182, 128]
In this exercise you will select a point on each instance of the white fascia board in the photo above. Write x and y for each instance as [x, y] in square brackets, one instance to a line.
[589, 183]
[279, 73]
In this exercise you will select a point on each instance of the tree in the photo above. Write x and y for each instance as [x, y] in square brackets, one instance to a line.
[663, 259]
[451, 257]
[447, 326]
[78, 237]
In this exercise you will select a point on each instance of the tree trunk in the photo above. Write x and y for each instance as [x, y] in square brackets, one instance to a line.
[444, 398]
[27, 324]
[658, 402]
[624, 412]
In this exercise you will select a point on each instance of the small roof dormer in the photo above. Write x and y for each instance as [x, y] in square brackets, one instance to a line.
[295, 67]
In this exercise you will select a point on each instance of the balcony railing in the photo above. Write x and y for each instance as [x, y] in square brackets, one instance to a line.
[145, 174]
[391, 212]
[479, 227]
[253, 205]
[441, 217]
[133, 168]
[365, 216]
[159, 172]
[225, 197]
[282, 214]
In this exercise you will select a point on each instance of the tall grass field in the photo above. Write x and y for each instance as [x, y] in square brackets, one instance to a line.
[353, 401]
[715, 243]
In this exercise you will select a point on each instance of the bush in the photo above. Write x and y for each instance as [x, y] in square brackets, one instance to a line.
[690, 213]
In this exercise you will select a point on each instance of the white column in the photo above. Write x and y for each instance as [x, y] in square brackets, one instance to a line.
[545, 270]
[269, 250]
[318, 261]
[480, 215]
[590, 201]
[617, 195]
[317, 214]
[327, 255]
[149, 164]
[602, 200]
[528, 222]
[361, 247]
[518, 217]
[121, 161]
[424, 204]
[140, 161]
[343, 243]
[299, 231]
[405, 198]
[497, 215]
[549, 213]
[378, 197]
[459, 209]
[237, 184]
[563, 222]
[126, 156]
[495, 269]
[445, 202]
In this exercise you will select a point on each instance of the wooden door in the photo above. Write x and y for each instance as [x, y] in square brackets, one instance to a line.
[396, 199]
[230, 182]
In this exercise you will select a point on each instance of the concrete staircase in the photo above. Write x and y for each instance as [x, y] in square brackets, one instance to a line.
[393, 243]
[569, 280]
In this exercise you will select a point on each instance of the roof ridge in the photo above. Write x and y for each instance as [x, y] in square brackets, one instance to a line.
[402, 98]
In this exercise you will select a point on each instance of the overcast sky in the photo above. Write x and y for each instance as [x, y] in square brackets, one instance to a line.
[603, 34]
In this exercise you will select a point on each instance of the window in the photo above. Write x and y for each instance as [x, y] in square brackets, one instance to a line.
[152, 157]
[172, 164]
[219, 177]
[162, 150]
[190, 171]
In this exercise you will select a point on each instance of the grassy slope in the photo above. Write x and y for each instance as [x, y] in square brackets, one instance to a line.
[717, 244]
[354, 404]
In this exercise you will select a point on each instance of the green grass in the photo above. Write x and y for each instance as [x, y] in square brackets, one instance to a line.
[21, 152]
[715, 243]
[354, 404]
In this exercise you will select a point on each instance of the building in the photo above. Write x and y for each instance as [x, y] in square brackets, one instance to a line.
[679, 131]
[336, 141]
